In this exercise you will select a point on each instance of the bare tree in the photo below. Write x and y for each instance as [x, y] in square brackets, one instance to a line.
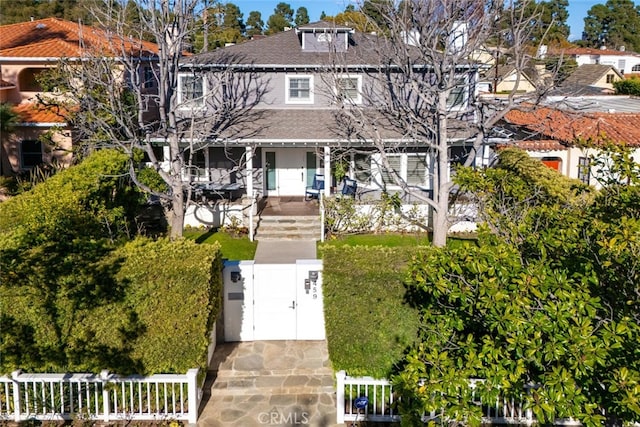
[134, 95]
[424, 90]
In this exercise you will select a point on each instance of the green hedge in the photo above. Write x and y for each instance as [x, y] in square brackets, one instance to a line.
[175, 291]
[368, 323]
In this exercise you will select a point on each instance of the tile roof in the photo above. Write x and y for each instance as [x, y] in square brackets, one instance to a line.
[57, 38]
[34, 113]
[593, 51]
[564, 126]
[284, 49]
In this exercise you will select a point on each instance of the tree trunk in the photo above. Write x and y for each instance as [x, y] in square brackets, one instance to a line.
[441, 184]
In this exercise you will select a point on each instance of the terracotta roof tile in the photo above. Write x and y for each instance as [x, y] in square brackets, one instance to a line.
[565, 127]
[540, 145]
[56, 38]
[34, 113]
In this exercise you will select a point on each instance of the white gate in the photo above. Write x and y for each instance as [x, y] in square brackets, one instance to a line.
[273, 301]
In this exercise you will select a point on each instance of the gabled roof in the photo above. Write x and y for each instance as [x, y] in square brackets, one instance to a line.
[589, 74]
[284, 49]
[547, 123]
[57, 38]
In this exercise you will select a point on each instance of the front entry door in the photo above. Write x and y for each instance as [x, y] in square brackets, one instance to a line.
[288, 171]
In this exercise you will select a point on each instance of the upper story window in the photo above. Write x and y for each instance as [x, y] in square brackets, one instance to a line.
[610, 78]
[30, 154]
[349, 88]
[299, 90]
[191, 91]
[636, 68]
[458, 95]
[148, 78]
[28, 79]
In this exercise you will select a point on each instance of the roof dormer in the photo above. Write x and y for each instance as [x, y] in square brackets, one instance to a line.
[324, 37]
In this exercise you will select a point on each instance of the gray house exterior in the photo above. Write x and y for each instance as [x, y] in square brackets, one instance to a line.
[298, 83]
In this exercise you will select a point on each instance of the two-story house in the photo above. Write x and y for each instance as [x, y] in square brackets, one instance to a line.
[624, 61]
[29, 49]
[297, 133]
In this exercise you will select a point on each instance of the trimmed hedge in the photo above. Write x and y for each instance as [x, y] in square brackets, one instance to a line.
[369, 326]
[175, 291]
[75, 298]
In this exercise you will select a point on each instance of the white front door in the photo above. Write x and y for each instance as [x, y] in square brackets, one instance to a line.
[288, 171]
[274, 312]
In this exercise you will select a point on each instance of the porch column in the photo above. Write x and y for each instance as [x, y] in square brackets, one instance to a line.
[327, 170]
[249, 170]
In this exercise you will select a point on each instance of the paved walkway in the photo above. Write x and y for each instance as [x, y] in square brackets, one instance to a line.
[284, 251]
[272, 383]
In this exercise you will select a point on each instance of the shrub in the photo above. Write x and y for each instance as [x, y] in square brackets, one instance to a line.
[367, 322]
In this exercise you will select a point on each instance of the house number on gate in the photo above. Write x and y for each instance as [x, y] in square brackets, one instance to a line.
[315, 292]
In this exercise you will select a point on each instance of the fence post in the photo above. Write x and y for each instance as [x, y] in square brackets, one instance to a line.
[322, 230]
[340, 377]
[193, 396]
[17, 409]
[106, 406]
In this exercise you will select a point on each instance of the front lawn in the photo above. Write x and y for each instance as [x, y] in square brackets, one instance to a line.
[232, 247]
[391, 240]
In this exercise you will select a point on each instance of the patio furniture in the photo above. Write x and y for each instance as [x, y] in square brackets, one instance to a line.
[317, 186]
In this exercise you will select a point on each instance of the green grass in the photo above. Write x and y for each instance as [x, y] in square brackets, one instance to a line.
[391, 240]
[232, 247]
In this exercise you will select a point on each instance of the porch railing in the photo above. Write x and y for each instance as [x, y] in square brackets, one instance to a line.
[105, 397]
[382, 401]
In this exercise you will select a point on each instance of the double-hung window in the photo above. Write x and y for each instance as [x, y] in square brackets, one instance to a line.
[458, 95]
[299, 89]
[409, 167]
[191, 91]
[349, 88]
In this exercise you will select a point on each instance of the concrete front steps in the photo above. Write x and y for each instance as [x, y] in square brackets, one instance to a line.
[280, 227]
[270, 382]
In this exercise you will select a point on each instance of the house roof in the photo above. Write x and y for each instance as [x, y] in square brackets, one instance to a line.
[589, 74]
[551, 124]
[32, 113]
[311, 126]
[284, 49]
[57, 38]
[592, 51]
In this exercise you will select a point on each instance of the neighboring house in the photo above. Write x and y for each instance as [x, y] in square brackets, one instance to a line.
[27, 50]
[549, 132]
[296, 134]
[590, 79]
[506, 79]
[625, 62]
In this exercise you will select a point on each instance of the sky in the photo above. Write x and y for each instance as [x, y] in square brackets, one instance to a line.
[577, 10]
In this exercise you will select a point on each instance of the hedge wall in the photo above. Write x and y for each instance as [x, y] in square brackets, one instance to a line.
[368, 323]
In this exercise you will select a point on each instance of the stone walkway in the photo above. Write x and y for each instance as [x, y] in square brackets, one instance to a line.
[272, 383]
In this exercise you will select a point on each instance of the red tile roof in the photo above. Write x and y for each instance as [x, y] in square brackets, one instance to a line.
[593, 51]
[57, 38]
[565, 127]
[34, 113]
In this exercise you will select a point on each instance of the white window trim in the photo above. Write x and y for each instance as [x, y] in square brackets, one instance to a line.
[377, 171]
[289, 100]
[191, 106]
[465, 95]
[358, 99]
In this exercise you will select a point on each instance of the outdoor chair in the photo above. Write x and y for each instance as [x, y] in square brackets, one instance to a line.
[317, 186]
[349, 188]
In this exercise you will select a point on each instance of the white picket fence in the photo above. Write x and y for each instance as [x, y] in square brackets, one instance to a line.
[105, 397]
[381, 405]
